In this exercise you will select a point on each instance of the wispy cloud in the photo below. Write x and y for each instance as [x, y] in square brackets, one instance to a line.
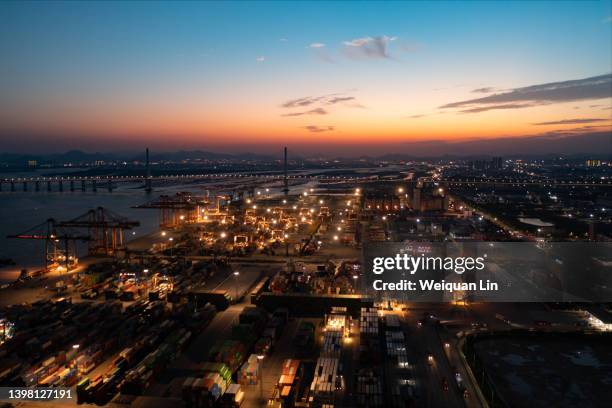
[572, 121]
[416, 116]
[483, 90]
[283, 40]
[575, 131]
[324, 100]
[494, 107]
[368, 47]
[320, 51]
[318, 129]
[300, 102]
[607, 19]
[339, 99]
[260, 59]
[316, 111]
[597, 87]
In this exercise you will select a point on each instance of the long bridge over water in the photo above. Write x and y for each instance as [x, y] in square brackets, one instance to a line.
[93, 183]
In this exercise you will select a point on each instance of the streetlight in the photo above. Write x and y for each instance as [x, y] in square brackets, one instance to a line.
[171, 246]
[260, 358]
[236, 274]
[286, 244]
[163, 233]
[146, 271]
[76, 346]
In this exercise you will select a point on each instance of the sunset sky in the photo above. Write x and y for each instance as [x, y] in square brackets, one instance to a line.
[318, 76]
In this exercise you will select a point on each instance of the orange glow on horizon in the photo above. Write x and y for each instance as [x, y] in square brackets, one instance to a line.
[195, 123]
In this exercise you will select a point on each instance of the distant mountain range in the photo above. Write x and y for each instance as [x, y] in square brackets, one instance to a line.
[78, 156]
[592, 144]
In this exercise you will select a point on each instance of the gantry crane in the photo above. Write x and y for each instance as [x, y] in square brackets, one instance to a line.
[180, 208]
[59, 244]
[104, 229]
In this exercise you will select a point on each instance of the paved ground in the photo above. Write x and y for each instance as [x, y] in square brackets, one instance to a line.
[430, 339]
[257, 395]
[189, 362]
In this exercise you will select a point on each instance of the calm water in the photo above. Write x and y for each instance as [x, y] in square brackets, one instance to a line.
[20, 211]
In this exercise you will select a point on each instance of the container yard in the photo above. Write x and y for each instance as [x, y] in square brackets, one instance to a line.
[328, 383]
[242, 300]
[160, 299]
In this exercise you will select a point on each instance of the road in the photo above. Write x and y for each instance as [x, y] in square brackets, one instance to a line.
[429, 338]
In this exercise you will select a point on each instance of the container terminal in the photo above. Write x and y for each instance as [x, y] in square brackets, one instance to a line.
[251, 294]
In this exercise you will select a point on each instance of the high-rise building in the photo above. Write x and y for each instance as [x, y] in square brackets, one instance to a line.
[497, 163]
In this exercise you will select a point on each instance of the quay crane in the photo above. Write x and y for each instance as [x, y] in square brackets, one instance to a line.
[104, 236]
[104, 228]
[59, 244]
[181, 207]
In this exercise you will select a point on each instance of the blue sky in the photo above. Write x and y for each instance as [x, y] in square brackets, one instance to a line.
[153, 69]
